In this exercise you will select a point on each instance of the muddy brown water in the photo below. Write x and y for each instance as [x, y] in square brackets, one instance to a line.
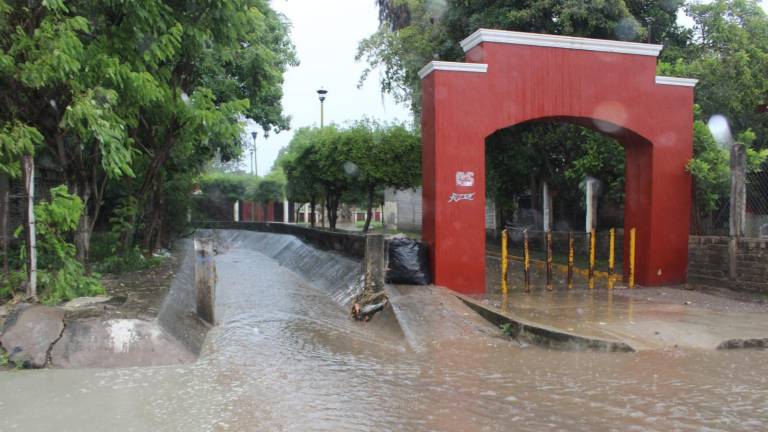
[286, 356]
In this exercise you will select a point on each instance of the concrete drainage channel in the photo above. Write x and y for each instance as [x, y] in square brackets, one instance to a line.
[82, 334]
[66, 337]
[343, 254]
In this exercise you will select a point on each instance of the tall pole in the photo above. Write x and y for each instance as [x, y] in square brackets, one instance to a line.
[321, 95]
[28, 165]
[255, 170]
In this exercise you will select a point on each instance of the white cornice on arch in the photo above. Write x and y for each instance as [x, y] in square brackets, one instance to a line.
[675, 81]
[553, 41]
[453, 67]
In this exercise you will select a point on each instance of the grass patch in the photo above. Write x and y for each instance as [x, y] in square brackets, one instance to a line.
[374, 224]
[105, 259]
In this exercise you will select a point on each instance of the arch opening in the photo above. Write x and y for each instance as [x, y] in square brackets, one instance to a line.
[537, 174]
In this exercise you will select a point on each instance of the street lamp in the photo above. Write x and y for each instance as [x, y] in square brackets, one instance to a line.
[321, 94]
[255, 170]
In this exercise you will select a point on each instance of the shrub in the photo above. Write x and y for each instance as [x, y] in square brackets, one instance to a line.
[60, 276]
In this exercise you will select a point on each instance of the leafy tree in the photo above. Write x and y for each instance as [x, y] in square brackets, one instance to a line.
[145, 92]
[728, 53]
[297, 162]
[371, 149]
[349, 164]
[332, 169]
[269, 189]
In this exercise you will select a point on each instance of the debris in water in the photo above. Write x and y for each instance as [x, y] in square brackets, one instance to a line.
[368, 304]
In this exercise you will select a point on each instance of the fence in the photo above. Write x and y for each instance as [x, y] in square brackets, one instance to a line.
[755, 209]
[757, 204]
[557, 258]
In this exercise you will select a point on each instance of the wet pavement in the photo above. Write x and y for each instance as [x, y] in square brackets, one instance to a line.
[644, 318]
[286, 356]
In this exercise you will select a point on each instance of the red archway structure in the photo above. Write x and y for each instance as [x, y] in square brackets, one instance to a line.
[511, 78]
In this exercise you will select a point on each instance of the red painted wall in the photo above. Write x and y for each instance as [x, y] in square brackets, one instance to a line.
[611, 92]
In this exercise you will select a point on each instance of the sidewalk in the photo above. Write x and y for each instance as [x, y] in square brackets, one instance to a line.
[642, 318]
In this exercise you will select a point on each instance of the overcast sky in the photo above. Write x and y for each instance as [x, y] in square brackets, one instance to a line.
[326, 34]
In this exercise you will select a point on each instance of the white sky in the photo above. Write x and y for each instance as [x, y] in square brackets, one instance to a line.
[326, 34]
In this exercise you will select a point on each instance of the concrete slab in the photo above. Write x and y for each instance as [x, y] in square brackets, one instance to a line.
[82, 302]
[116, 343]
[29, 332]
[642, 318]
[431, 316]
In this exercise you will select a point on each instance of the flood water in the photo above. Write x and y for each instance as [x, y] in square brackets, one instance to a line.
[286, 356]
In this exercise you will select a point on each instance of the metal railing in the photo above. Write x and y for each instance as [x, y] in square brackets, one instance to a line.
[590, 254]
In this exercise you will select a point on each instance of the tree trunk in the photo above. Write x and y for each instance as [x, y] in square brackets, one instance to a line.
[312, 205]
[28, 164]
[369, 214]
[155, 212]
[332, 204]
[322, 211]
[695, 213]
[83, 233]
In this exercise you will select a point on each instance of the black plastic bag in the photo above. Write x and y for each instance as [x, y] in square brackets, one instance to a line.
[408, 263]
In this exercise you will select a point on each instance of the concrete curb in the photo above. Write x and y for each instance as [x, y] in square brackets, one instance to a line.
[542, 335]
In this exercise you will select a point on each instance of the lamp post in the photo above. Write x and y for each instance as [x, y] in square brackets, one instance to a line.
[254, 171]
[321, 95]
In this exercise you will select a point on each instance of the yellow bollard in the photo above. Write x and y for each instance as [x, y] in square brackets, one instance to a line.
[549, 260]
[611, 257]
[611, 252]
[592, 259]
[570, 260]
[526, 262]
[632, 240]
[504, 263]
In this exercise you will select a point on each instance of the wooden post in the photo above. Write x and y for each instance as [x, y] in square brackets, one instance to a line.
[738, 190]
[738, 203]
[374, 263]
[28, 168]
[205, 279]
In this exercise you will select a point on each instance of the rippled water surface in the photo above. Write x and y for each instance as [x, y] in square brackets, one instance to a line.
[286, 356]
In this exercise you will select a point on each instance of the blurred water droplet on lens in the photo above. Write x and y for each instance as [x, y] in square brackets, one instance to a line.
[720, 130]
[350, 168]
[627, 28]
[608, 116]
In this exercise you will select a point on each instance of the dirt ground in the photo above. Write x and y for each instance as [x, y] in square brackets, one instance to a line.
[140, 293]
